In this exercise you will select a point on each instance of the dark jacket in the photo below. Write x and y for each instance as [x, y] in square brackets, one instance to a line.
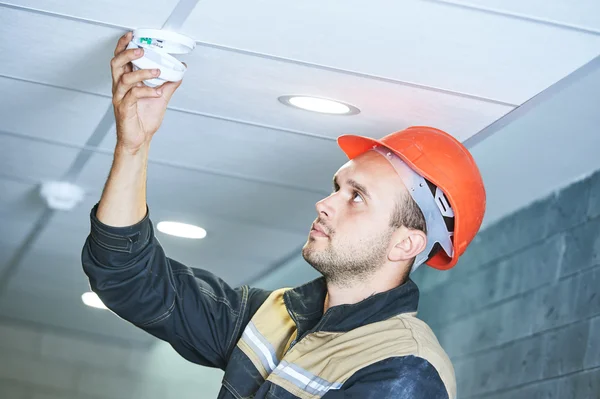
[271, 344]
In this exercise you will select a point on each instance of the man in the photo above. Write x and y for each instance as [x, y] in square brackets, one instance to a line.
[416, 196]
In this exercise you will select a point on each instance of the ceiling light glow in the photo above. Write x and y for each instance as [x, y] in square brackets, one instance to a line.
[321, 105]
[181, 230]
[92, 300]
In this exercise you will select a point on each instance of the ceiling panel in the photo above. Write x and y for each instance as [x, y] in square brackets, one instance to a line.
[14, 230]
[427, 43]
[583, 14]
[18, 196]
[37, 110]
[239, 250]
[51, 273]
[244, 150]
[132, 14]
[16, 227]
[20, 209]
[550, 147]
[239, 86]
[34, 160]
[216, 83]
[234, 250]
[71, 61]
[67, 311]
[60, 240]
[7, 252]
[227, 198]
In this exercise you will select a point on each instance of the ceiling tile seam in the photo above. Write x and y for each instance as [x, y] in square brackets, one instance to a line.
[175, 165]
[86, 336]
[177, 109]
[522, 17]
[533, 102]
[59, 15]
[104, 127]
[363, 75]
[19, 179]
[276, 265]
[44, 140]
[304, 63]
[256, 124]
[182, 10]
[240, 177]
[246, 222]
[55, 86]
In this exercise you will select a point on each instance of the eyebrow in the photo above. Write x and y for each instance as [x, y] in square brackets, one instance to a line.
[354, 184]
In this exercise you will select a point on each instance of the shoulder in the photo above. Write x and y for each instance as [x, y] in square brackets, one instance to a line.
[429, 348]
[404, 348]
[397, 377]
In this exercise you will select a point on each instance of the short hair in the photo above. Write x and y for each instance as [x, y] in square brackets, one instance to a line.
[407, 213]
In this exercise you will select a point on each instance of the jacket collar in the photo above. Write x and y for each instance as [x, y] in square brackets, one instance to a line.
[305, 306]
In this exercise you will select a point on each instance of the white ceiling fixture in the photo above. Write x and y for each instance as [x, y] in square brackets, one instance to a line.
[321, 105]
[61, 195]
[92, 300]
[181, 230]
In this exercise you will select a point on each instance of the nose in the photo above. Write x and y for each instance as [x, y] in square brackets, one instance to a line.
[325, 208]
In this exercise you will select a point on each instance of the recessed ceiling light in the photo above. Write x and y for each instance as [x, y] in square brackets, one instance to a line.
[91, 299]
[321, 105]
[181, 230]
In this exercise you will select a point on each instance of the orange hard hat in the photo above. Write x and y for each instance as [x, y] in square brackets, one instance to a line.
[446, 163]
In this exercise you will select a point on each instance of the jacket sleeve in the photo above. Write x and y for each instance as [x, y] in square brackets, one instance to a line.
[196, 312]
[407, 377]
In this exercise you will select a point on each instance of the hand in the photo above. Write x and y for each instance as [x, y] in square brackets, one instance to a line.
[139, 110]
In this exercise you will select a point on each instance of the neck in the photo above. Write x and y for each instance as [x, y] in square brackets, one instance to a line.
[359, 289]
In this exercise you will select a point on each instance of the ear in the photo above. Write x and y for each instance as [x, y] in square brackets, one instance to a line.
[409, 243]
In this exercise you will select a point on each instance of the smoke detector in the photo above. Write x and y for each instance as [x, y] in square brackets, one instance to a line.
[61, 195]
[158, 46]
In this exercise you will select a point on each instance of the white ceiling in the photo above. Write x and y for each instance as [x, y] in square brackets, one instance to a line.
[234, 160]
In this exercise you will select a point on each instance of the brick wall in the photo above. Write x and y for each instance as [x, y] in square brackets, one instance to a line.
[520, 314]
[38, 363]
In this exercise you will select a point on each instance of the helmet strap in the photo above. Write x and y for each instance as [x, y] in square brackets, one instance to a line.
[434, 206]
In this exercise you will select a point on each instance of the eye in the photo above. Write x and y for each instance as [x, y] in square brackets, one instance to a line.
[357, 197]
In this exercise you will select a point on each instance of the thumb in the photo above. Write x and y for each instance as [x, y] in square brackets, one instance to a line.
[169, 88]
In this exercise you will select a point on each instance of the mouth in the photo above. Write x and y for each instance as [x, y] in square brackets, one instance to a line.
[317, 231]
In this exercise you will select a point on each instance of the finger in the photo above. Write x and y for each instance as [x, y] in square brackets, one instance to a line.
[123, 42]
[126, 57]
[124, 70]
[127, 68]
[130, 80]
[136, 93]
[169, 88]
[120, 64]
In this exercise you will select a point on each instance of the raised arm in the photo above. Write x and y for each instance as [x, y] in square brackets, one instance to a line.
[200, 315]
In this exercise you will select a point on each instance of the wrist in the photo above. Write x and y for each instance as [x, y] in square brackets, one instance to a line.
[127, 151]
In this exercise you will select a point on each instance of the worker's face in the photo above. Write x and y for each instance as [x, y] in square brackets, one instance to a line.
[355, 220]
